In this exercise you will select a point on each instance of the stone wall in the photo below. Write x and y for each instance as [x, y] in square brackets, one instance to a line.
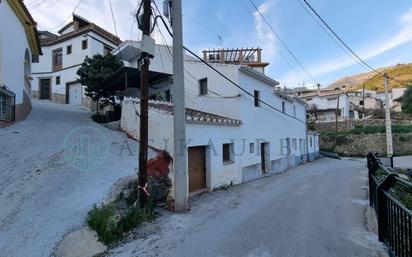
[345, 126]
[362, 144]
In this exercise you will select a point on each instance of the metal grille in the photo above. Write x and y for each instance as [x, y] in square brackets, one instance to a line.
[7, 104]
[390, 197]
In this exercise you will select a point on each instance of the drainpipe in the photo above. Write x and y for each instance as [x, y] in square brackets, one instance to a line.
[306, 132]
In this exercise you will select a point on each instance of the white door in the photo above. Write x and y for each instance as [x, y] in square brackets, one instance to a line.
[75, 94]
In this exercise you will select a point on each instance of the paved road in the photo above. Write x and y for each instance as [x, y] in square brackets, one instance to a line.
[403, 162]
[41, 196]
[314, 210]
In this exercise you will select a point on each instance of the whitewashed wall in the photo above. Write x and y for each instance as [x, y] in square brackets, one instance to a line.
[13, 45]
[71, 62]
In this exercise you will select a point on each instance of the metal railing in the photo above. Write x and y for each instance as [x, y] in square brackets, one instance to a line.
[391, 198]
[7, 104]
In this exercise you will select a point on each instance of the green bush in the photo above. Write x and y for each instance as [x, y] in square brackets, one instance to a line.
[110, 228]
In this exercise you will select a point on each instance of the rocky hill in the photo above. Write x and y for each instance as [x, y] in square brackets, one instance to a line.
[401, 72]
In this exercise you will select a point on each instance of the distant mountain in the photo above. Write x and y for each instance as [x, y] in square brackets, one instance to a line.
[401, 72]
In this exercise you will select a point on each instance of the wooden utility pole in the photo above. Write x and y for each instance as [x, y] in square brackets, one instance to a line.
[389, 145]
[144, 103]
[180, 148]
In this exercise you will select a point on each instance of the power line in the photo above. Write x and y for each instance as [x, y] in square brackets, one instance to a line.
[228, 79]
[346, 45]
[75, 8]
[282, 42]
[293, 68]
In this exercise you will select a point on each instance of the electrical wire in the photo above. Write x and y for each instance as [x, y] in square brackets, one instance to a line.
[282, 42]
[75, 8]
[359, 59]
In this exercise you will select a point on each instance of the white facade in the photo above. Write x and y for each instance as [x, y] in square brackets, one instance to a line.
[326, 105]
[63, 81]
[18, 43]
[282, 131]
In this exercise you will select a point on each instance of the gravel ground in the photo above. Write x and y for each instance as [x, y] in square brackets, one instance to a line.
[316, 209]
[41, 196]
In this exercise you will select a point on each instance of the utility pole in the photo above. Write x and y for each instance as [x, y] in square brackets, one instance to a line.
[389, 145]
[363, 101]
[337, 114]
[144, 103]
[180, 149]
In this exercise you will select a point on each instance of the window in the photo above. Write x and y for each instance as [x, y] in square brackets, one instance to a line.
[203, 86]
[251, 148]
[228, 153]
[257, 98]
[294, 111]
[69, 49]
[310, 141]
[34, 58]
[57, 59]
[58, 80]
[167, 95]
[283, 107]
[107, 50]
[294, 144]
[361, 102]
[84, 44]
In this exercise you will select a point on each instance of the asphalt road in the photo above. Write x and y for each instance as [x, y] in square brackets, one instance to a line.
[316, 209]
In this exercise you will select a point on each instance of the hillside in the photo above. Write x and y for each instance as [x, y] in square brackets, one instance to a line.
[400, 72]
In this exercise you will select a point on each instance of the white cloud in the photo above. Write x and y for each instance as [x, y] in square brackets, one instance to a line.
[374, 49]
[268, 40]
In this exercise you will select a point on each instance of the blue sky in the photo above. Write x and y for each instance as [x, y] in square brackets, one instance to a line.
[379, 31]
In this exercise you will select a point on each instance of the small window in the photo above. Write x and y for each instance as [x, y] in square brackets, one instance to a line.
[294, 111]
[35, 59]
[203, 86]
[251, 148]
[257, 98]
[283, 107]
[310, 141]
[69, 49]
[84, 44]
[228, 153]
[361, 102]
[58, 80]
[294, 144]
[107, 50]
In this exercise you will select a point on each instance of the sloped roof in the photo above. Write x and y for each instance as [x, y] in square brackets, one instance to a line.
[30, 26]
[194, 116]
[85, 26]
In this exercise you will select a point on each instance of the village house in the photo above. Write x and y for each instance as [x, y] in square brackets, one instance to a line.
[232, 137]
[17, 50]
[54, 73]
[325, 105]
[367, 99]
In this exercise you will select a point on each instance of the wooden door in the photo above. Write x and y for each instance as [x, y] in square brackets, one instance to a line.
[197, 168]
[44, 90]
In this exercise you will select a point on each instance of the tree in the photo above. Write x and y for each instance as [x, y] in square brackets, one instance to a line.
[93, 71]
[406, 101]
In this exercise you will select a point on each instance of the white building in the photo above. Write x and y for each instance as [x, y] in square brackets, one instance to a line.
[55, 72]
[232, 137]
[19, 43]
[323, 106]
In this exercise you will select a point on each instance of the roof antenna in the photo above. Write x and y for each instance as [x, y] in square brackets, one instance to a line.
[220, 41]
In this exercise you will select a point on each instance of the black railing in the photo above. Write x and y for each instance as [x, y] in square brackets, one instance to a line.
[391, 198]
[7, 104]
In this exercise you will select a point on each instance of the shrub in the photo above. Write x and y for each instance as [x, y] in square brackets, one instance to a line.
[110, 227]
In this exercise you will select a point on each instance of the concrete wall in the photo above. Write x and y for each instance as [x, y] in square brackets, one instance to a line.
[15, 55]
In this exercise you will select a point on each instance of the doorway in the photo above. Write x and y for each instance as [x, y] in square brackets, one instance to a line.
[197, 168]
[44, 89]
[265, 157]
[74, 93]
